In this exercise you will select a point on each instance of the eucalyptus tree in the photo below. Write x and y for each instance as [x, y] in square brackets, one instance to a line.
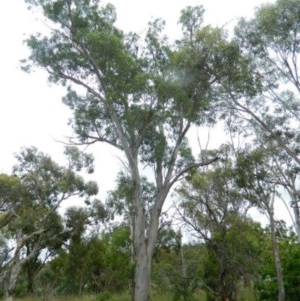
[136, 95]
[12, 192]
[284, 174]
[12, 196]
[255, 177]
[35, 223]
[288, 177]
[74, 260]
[260, 82]
[269, 43]
[289, 251]
[215, 210]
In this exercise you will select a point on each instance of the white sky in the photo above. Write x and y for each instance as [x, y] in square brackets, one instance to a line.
[31, 111]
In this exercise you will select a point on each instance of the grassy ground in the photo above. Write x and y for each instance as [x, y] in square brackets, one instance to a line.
[244, 294]
[119, 297]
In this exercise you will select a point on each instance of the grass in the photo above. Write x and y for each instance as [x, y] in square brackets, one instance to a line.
[244, 294]
[116, 297]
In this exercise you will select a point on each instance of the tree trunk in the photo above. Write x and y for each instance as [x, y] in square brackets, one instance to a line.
[16, 265]
[142, 277]
[30, 288]
[183, 263]
[224, 293]
[11, 287]
[280, 284]
[295, 205]
[141, 257]
[296, 210]
[145, 236]
[30, 277]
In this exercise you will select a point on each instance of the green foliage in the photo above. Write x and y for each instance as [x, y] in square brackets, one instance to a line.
[270, 42]
[76, 220]
[131, 99]
[92, 264]
[142, 95]
[278, 24]
[137, 87]
[179, 271]
[104, 296]
[77, 160]
[114, 297]
[120, 202]
[250, 167]
[191, 19]
[118, 265]
[47, 181]
[29, 203]
[214, 208]
[289, 251]
[186, 285]
[231, 259]
[12, 195]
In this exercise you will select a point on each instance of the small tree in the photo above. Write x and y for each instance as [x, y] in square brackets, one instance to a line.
[254, 175]
[215, 210]
[35, 223]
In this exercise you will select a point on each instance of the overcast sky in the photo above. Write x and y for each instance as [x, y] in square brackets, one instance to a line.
[31, 112]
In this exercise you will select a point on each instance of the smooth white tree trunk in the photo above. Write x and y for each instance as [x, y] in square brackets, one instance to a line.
[142, 277]
[15, 270]
[275, 248]
[141, 256]
[144, 241]
[297, 220]
[17, 262]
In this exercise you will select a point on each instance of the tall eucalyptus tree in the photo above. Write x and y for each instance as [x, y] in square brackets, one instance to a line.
[140, 97]
[255, 177]
[270, 43]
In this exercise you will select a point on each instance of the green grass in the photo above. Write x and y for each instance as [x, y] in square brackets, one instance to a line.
[116, 297]
[245, 294]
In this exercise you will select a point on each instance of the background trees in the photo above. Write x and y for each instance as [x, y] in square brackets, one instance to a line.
[215, 210]
[271, 42]
[30, 200]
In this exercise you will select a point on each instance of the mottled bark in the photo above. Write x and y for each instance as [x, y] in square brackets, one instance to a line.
[12, 283]
[17, 262]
